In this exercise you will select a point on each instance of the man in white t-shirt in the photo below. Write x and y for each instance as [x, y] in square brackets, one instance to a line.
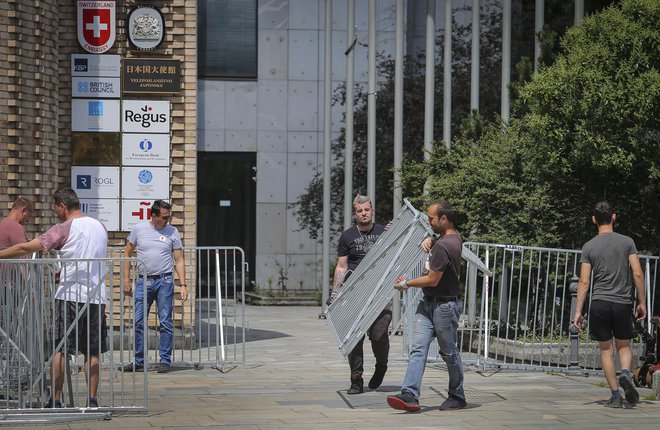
[160, 252]
[81, 297]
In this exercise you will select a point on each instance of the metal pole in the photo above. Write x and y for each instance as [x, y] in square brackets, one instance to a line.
[327, 119]
[351, 39]
[398, 132]
[429, 85]
[506, 58]
[446, 91]
[579, 11]
[474, 80]
[539, 18]
[371, 107]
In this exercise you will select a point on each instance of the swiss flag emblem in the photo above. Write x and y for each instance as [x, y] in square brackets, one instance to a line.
[96, 25]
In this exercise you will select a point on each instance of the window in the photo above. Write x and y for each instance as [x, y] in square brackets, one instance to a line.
[227, 39]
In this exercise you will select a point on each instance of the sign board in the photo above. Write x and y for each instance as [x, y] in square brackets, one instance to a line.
[146, 116]
[95, 115]
[153, 76]
[96, 25]
[145, 149]
[96, 87]
[96, 65]
[150, 183]
[95, 182]
[96, 149]
[145, 27]
[134, 212]
[104, 210]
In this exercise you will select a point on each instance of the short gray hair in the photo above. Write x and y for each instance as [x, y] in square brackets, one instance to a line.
[360, 200]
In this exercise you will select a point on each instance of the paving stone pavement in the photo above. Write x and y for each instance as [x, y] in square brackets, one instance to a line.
[296, 378]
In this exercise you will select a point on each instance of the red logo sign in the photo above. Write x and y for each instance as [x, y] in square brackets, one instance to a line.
[96, 25]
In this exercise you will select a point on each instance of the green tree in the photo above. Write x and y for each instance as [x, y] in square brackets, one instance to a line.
[589, 132]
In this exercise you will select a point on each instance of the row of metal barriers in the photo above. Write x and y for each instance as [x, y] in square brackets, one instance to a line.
[209, 330]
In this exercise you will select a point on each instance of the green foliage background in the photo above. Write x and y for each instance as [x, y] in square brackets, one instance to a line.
[584, 129]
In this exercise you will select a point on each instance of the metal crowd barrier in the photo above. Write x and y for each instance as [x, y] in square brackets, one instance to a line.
[28, 343]
[371, 287]
[521, 316]
[210, 329]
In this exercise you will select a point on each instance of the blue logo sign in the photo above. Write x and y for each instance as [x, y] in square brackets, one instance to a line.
[84, 207]
[95, 108]
[84, 182]
[83, 87]
[146, 145]
[145, 176]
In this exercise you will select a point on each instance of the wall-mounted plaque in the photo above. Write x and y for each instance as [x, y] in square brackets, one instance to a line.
[149, 75]
[96, 149]
[146, 28]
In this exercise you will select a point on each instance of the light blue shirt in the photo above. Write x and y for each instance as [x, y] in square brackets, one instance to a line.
[155, 247]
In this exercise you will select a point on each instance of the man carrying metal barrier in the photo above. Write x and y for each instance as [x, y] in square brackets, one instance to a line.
[11, 228]
[80, 298]
[437, 314]
[354, 243]
[609, 257]
[156, 242]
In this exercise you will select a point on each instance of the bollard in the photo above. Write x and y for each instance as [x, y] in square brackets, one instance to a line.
[574, 333]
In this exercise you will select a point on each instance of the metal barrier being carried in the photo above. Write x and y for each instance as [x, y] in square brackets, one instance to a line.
[371, 286]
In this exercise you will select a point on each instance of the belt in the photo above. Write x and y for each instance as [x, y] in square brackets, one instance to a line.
[162, 275]
[442, 299]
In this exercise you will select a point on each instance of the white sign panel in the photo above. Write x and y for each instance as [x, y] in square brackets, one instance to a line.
[96, 65]
[150, 183]
[140, 149]
[95, 182]
[104, 210]
[96, 87]
[134, 212]
[95, 115]
[146, 116]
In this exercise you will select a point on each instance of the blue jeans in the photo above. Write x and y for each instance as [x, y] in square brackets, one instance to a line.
[162, 291]
[440, 320]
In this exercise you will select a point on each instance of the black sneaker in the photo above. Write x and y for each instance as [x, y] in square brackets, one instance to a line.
[163, 368]
[53, 404]
[92, 403]
[357, 387]
[632, 396]
[131, 367]
[405, 401]
[377, 378]
[453, 403]
[618, 402]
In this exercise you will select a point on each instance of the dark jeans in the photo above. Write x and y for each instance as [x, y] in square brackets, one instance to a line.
[380, 345]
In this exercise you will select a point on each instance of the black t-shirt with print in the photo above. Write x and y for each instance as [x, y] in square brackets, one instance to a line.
[445, 257]
[355, 244]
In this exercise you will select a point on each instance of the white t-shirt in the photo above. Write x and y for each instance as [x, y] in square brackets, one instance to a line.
[79, 238]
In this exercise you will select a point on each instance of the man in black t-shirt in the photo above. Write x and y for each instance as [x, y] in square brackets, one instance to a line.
[437, 314]
[354, 243]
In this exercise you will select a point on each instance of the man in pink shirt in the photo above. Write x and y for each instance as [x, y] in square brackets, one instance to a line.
[80, 298]
[11, 228]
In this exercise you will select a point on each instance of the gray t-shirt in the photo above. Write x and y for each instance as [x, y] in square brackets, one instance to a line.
[608, 255]
[155, 247]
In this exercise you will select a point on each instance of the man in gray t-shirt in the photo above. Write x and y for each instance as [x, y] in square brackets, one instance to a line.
[159, 250]
[610, 257]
